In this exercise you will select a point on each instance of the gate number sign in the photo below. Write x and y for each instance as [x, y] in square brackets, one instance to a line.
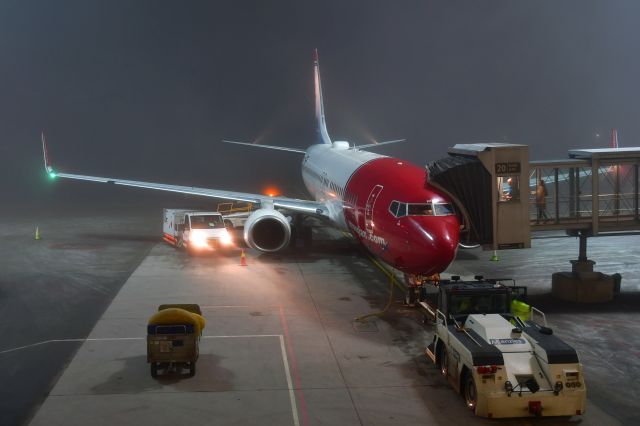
[505, 169]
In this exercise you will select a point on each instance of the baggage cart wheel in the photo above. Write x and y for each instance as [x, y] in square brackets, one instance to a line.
[192, 369]
[470, 391]
[154, 370]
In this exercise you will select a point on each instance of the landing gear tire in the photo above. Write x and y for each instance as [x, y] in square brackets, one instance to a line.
[306, 235]
[470, 391]
[293, 239]
[192, 369]
[154, 370]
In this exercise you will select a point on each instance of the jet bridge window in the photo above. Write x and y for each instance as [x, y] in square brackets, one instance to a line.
[508, 188]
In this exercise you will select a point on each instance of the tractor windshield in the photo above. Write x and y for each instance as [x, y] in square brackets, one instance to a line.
[485, 303]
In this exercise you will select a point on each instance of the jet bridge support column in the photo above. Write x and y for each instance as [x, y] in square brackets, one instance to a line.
[582, 284]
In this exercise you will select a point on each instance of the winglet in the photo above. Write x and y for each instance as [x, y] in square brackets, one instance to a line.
[614, 138]
[47, 161]
[323, 135]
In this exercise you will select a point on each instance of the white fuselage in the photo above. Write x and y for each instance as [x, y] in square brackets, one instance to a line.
[326, 170]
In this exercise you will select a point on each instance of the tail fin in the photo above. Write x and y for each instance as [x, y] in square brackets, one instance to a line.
[614, 138]
[323, 135]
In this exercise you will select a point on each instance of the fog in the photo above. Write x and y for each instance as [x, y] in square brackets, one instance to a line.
[147, 89]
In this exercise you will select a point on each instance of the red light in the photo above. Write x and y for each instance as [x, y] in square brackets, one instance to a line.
[535, 407]
[487, 369]
[271, 191]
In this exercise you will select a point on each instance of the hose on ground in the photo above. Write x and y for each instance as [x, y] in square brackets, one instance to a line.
[392, 282]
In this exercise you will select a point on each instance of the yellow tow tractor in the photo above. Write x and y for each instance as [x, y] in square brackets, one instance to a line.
[173, 335]
[503, 361]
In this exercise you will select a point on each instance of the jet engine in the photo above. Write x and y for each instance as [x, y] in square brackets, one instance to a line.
[267, 230]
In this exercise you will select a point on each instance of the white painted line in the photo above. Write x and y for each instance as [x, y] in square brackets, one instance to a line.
[285, 359]
[292, 395]
[111, 339]
[65, 341]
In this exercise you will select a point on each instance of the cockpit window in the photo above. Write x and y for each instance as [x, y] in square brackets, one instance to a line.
[399, 209]
[444, 209]
[422, 209]
[393, 208]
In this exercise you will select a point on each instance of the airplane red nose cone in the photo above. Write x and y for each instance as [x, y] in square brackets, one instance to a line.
[434, 243]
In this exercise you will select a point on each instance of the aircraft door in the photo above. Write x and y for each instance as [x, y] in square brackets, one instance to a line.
[368, 208]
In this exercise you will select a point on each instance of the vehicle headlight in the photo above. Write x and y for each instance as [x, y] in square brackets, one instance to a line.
[198, 239]
[225, 238]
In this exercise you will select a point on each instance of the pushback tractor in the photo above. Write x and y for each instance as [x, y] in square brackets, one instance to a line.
[503, 361]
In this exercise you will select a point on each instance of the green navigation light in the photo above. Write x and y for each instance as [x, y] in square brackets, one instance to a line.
[52, 175]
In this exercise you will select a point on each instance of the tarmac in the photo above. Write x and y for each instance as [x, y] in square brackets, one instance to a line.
[54, 290]
[281, 345]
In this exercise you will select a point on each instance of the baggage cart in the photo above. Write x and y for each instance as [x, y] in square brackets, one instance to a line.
[173, 336]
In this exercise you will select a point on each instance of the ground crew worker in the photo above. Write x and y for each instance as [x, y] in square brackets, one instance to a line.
[541, 201]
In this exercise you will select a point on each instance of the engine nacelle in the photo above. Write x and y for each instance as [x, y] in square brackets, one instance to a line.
[267, 230]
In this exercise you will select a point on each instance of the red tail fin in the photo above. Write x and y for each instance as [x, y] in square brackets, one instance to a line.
[614, 138]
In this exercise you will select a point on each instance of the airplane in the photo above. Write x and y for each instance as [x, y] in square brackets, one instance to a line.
[387, 204]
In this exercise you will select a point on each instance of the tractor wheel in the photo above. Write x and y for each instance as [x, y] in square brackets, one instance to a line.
[470, 391]
[444, 361]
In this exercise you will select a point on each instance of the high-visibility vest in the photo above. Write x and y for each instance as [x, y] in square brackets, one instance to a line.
[521, 310]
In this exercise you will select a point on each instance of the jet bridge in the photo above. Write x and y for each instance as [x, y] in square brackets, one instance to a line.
[502, 197]
[488, 183]
[604, 181]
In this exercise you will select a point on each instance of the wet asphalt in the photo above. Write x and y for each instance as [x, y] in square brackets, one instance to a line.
[56, 288]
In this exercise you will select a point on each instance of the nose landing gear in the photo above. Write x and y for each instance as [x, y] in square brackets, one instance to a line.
[415, 283]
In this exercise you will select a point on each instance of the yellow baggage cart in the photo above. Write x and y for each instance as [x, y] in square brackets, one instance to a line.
[173, 335]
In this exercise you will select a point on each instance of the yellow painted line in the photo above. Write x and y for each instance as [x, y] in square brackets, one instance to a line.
[384, 270]
[388, 273]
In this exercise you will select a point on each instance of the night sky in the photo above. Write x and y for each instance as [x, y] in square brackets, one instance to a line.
[147, 89]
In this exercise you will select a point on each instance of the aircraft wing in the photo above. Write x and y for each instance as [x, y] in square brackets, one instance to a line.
[293, 204]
